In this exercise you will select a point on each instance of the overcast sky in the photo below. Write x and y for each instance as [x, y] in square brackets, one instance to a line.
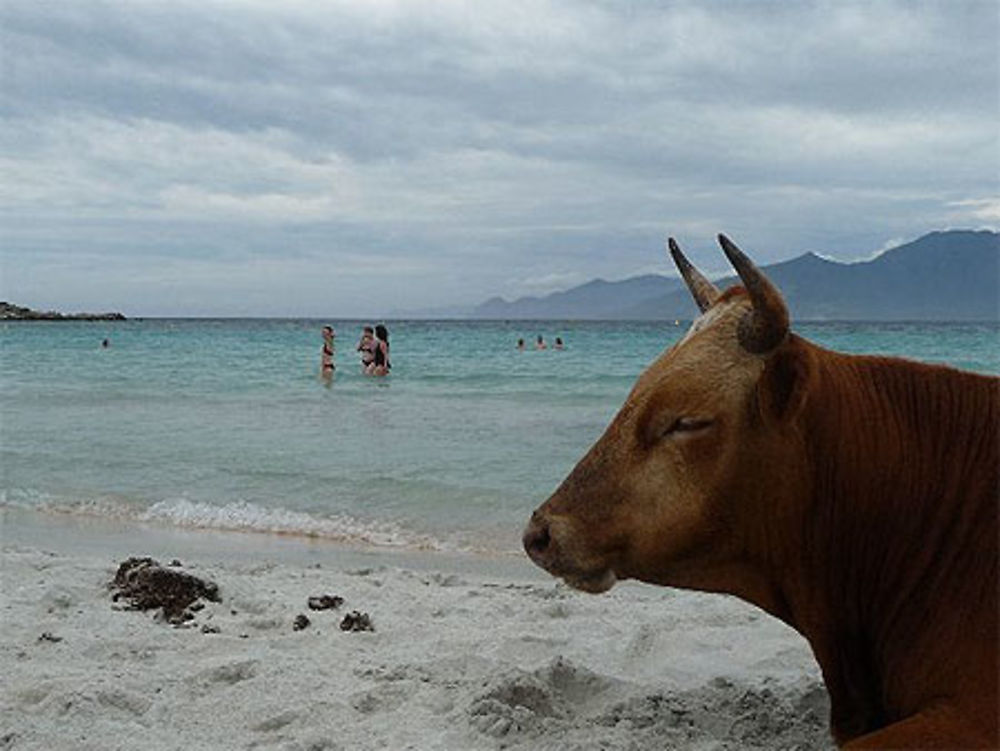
[358, 157]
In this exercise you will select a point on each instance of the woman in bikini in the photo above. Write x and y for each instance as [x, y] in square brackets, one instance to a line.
[380, 364]
[366, 346]
[326, 356]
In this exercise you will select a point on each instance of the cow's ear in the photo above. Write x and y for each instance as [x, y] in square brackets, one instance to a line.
[783, 386]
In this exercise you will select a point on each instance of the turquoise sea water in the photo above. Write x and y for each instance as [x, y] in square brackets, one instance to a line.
[225, 424]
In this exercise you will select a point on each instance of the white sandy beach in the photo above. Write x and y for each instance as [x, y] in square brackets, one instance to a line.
[465, 655]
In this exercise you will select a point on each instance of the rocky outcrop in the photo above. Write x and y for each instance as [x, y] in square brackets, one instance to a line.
[11, 312]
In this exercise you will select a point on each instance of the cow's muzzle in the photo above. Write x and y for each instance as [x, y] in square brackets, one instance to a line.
[542, 545]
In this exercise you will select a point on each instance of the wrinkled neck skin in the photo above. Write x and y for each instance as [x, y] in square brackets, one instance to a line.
[898, 476]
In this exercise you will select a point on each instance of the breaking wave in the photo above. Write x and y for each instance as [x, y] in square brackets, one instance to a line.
[235, 516]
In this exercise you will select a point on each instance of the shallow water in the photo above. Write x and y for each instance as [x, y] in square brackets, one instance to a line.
[224, 424]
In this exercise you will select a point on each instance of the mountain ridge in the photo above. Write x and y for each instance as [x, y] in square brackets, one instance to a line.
[943, 275]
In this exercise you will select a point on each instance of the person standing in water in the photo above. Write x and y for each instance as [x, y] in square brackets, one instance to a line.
[540, 343]
[380, 364]
[366, 346]
[326, 356]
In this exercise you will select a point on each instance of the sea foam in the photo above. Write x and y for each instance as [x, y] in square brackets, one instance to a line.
[249, 517]
[235, 516]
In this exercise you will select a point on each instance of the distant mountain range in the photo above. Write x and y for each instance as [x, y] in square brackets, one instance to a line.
[950, 276]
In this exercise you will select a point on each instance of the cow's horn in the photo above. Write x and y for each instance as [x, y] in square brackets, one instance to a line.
[704, 292]
[766, 327]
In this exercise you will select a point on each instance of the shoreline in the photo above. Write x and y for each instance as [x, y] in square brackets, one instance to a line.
[466, 654]
[70, 533]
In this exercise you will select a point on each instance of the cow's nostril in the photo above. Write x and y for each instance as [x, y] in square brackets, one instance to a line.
[536, 538]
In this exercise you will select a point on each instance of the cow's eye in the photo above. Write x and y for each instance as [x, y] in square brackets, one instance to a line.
[686, 425]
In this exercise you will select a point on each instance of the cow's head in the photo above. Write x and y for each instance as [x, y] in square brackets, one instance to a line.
[677, 486]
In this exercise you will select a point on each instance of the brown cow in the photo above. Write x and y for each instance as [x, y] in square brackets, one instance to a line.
[853, 497]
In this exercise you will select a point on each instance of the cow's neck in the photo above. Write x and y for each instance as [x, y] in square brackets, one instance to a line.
[883, 523]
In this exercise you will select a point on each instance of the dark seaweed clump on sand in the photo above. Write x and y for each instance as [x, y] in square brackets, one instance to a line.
[145, 585]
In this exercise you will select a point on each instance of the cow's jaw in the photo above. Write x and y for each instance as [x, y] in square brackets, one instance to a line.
[594, 584]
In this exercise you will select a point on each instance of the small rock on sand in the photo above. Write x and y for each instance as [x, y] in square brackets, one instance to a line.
[355, 621]
[325, 602]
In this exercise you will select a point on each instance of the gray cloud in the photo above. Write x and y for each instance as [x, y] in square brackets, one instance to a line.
[221, 158]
